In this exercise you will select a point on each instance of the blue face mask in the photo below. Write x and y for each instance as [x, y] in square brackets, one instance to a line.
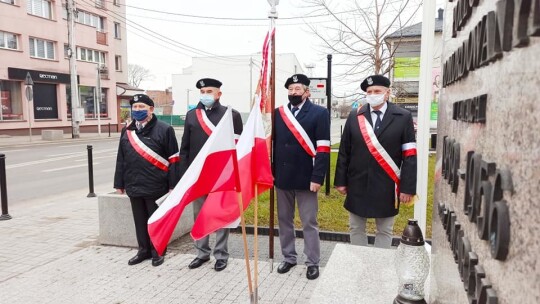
[207, 100]
[139, 115]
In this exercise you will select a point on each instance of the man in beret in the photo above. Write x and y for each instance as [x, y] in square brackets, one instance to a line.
[301, 156]
[147, 167]
[197, 128]
[376, 165]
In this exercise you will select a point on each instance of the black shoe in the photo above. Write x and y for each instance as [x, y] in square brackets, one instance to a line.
[138, 259]
[312, 272]
[284, 267]
[196, 263]
[220, 265]
[156, 261]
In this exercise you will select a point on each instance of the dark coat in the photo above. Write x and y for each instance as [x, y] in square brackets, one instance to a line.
[137, 175]
[294, 169]
[194, 135]
[370, 191]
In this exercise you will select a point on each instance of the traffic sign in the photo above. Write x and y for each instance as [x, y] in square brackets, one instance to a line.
[29, 93]
[317, 87]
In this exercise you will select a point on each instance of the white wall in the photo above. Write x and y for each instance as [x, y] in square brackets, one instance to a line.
[234, 73]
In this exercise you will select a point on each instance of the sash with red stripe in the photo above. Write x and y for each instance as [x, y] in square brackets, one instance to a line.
[378, 152]
[300, 134]
[148, 154]
[205, 123]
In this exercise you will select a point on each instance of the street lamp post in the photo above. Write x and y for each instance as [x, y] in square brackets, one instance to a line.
[29, 96]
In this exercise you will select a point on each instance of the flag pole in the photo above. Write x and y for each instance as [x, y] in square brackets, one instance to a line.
[246, 252]
[256, 245]
[273, 17]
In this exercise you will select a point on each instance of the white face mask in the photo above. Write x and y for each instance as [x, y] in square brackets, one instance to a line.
[375, 100]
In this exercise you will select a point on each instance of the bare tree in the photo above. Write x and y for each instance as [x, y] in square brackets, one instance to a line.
[137, 73]
[355, 35]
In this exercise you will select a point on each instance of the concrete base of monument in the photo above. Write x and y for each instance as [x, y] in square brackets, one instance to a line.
[358, 274]
[116, 225]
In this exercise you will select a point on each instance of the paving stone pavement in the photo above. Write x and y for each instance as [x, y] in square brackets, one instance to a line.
[49, 254]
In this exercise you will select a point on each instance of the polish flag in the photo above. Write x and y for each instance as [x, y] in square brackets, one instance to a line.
[214, 169]
[221, 209]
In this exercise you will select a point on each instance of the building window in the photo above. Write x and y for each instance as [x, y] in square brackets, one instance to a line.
[40, 48]
[8, 41]
[116, 2]
[90, 55]
[41, 8]
[8, 1]
[117, 30]
[118, 63]
[90, 19]
[10, 100]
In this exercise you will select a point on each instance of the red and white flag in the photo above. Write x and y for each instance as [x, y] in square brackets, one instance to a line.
[221, 208]
[214, 169]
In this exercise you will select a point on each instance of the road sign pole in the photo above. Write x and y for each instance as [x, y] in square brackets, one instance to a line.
[29, 96]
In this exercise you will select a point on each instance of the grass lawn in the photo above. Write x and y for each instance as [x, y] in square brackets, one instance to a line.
[333, 217]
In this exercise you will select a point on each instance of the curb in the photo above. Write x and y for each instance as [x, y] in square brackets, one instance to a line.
[330, 236]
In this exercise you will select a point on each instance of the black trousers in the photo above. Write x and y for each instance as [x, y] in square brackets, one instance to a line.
[143, 208]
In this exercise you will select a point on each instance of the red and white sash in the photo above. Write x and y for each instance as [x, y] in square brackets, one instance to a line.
[379, 153]
[207, 125]
[148, 154]
[300, 134]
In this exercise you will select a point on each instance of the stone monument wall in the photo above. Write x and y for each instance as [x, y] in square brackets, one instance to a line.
[486, 208]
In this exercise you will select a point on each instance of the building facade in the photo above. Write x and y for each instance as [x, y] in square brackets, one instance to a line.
[34, 40]
[405, 74]
[163, 101]
[239, 75]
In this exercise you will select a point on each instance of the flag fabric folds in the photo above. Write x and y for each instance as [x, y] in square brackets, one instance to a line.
[213, 169]
[221, 208]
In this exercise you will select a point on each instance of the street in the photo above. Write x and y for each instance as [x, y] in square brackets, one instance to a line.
[39, 170]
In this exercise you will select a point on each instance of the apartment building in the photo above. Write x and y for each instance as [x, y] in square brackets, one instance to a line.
[405, 44]
[34, 40]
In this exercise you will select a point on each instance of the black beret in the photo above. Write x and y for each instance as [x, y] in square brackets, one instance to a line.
[378, 80]
[297, 78]
[141, 98]
[208, 82]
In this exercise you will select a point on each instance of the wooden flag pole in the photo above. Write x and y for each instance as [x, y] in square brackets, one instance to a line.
[272, 106]
[256, 245]
[246, 252]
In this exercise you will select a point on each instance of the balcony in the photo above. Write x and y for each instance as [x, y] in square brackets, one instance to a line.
[101, 38]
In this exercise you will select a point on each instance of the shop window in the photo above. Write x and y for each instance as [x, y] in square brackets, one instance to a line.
[11, 100]
[89, 103]
[45, 101]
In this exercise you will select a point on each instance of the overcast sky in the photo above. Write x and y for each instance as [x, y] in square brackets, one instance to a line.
[165, 40]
